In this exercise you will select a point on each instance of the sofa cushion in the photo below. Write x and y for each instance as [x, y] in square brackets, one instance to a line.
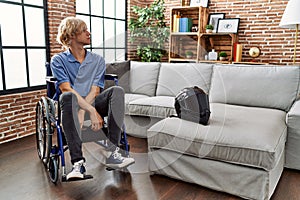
[157, 106]
[243, 135]
[265, 86]
[131, 97]
[143, 77]
[122, 70]
[175, 76]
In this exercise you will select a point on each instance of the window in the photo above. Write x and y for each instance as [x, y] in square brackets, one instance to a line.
[106, 21]
[23, 45]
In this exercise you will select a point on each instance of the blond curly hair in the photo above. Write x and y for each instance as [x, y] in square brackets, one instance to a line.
[70, 26]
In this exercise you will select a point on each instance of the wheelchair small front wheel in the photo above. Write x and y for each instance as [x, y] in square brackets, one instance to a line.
[53, 169]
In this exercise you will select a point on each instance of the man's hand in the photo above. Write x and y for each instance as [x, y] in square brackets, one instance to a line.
[97, 120]
[81, 114]
[85, 105]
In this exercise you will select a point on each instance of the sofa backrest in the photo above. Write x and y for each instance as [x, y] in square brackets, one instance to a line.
[143, 77]
[122, 69]
[175, 76]
[261, 86]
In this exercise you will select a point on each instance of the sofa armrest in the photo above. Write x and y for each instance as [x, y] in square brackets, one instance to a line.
[293, 115]
[293, 137]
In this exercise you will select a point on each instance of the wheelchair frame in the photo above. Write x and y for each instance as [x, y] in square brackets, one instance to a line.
[48, 123]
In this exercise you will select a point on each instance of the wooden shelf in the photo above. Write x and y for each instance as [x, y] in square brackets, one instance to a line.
[217, 34]
[180, 42]
[251, 63]
[182, 60]
[184, 33]
[219, 42]
[214, 61]
[200, 43]
[188, 7]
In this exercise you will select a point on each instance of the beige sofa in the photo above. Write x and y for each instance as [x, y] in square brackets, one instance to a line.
[253, 133]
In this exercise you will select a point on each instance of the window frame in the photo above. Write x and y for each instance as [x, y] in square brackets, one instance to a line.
[103, 47]
[26, 48]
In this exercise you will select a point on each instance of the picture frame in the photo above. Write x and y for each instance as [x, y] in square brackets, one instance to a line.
[195, 2]
[228, 25]
[213, 19]
[203, 3]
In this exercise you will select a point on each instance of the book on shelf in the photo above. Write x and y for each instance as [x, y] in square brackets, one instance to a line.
[176, 20]
[238, 52]
[181, 24]
[185, 24]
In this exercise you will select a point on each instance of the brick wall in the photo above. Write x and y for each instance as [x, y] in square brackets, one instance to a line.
[58, 10]
[17, 115]
[258, 27]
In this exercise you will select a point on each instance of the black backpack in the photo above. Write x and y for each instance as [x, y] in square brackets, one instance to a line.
[192, 104]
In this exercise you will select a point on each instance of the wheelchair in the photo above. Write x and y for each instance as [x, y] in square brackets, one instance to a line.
[48, 124]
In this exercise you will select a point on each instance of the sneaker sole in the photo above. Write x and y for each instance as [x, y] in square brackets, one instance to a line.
[75, 176]
[120, 166]
[78, 179]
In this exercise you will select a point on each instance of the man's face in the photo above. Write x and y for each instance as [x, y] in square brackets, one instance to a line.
[83, 37]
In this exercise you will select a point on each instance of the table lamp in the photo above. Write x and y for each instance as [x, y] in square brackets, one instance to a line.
[291, 19]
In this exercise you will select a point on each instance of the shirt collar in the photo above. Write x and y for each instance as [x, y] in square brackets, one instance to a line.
[71, 58]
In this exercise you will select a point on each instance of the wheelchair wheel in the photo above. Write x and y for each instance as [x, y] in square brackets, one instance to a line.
[44, 130]
[53, 169]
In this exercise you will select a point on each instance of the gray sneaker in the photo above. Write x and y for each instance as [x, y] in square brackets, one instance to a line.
[117, 161]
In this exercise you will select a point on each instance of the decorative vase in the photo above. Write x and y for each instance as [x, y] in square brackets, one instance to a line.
[212, 55]
[209, 31]
[222, 58]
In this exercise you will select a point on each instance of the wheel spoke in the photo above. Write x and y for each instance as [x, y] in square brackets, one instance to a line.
[43, 130]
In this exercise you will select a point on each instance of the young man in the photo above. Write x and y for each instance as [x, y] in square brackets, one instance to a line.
[80, 77]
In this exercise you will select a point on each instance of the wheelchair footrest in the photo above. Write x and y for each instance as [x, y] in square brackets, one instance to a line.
[110, 169]
[64, 178]
[118, 169]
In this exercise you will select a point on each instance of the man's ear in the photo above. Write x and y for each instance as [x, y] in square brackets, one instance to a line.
[72, 36]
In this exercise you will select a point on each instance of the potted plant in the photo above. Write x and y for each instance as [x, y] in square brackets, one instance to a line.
[149, 31]
[189, 54]
[222, 55]
[209, 28]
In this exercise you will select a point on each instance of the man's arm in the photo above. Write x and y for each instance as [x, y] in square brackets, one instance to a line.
[85, 104]
[90, 99]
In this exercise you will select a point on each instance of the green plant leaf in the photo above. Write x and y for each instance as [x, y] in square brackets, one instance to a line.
[149, 27]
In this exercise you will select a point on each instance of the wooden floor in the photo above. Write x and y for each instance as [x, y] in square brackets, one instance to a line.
[24, 177]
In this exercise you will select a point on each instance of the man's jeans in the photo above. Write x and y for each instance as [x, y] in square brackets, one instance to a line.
[108, 103]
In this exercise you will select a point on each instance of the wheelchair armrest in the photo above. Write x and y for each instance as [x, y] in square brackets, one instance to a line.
[111, 76]
[107, 77]
[50, 79]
